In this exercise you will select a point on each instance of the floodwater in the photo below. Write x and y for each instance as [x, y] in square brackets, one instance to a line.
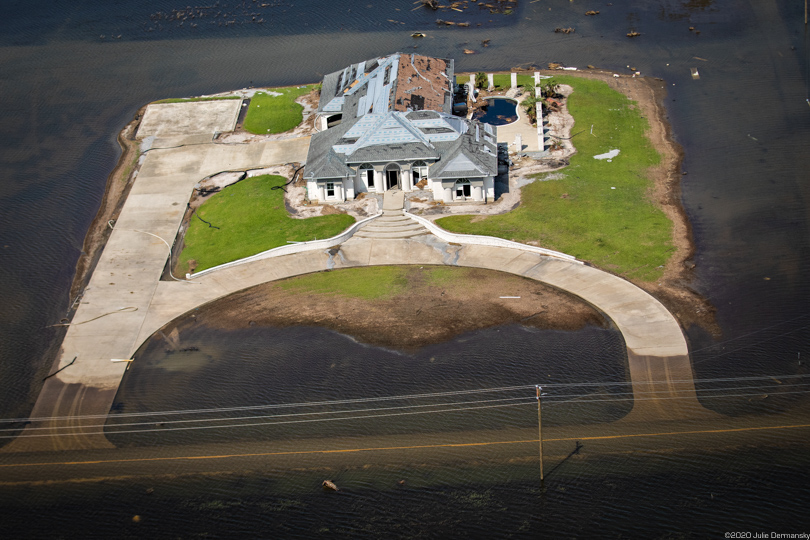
[69, 83]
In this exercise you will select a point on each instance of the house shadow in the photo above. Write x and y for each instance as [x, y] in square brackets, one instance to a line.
[502, 180]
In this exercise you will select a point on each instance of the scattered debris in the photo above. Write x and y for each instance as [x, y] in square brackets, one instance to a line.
[591, 67]
[591, 12]
[417, 34]
[608, 155]
[633, 34]
[695, 74]
[485, 43]
[469, 51]
[329, 486]
[554, 65]
[432, 4]
[569, 30]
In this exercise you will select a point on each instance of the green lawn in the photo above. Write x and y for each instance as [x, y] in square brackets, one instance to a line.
[370, 282]
[504, 80]
[251, 218]
[268, 113]
[619, 229]
[188, 100]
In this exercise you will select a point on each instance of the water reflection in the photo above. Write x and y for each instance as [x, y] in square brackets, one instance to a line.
[243, 376]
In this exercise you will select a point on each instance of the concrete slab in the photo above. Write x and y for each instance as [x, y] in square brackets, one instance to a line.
[522, 127]
[189, 118]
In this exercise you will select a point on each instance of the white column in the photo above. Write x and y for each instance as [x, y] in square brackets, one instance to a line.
[448, 195]
[348, 188]
[518, 142]
[472, 80]
[514, 80]
[379, 181]
[491, 83]
[536, 78]
[541, 137]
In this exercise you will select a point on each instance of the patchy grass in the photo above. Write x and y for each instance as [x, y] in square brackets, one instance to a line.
[269, 113]
[504, 80]
[619, 229]
[251, 218]
[188, 100]
[369, 282]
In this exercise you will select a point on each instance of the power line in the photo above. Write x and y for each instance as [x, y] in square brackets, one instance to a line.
[615, 396]
[676, 382]
[527, 400]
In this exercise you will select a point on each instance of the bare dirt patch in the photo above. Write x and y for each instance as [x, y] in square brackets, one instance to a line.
[426, 312]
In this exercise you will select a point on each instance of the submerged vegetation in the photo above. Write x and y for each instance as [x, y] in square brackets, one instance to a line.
[598, 210]
[247, 218]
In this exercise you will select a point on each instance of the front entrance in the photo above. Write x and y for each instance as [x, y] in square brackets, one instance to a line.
[392, 177]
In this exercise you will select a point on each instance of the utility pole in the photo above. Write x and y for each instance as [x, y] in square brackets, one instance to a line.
[540, 426]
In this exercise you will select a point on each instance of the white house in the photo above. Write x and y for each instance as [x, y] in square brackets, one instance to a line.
[387, 123]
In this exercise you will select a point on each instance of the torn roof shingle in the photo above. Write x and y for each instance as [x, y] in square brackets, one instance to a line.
[397, 108]
[401, 82]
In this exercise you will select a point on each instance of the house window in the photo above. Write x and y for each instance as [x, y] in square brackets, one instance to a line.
[463, 189]
[330, 190]
[419, 170]
[367, 174]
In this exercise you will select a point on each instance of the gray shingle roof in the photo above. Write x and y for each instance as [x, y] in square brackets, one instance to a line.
[395, 138]
[393, 152]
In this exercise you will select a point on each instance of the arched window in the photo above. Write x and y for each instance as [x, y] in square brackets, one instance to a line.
[367, 174]
[463, 189]
[419, 171]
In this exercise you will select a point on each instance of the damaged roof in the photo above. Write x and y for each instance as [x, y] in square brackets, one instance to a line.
[399, 82]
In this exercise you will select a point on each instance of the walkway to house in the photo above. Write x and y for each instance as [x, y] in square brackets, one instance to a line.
[393, 223]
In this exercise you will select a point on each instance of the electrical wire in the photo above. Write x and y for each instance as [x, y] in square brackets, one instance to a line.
[404, 397]
[344, 411]
[528, 401]
[578, 399]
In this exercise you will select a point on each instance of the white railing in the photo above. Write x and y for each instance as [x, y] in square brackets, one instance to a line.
[480, 240]
[298, 247]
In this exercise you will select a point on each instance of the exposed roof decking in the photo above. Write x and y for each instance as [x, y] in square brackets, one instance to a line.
[400, 82]
[423, 84]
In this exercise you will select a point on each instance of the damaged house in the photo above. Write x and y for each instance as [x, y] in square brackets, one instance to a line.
[387, 123]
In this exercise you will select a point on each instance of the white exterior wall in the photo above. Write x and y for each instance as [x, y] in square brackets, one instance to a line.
[436, 187]
[312, 190]
[489, 188]
[348, 188]
[344, 188]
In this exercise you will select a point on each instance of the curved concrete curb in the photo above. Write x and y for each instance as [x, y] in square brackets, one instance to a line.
[298, 247]
[479, 240]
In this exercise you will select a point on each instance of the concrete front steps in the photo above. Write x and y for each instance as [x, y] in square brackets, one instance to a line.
[392, 224]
